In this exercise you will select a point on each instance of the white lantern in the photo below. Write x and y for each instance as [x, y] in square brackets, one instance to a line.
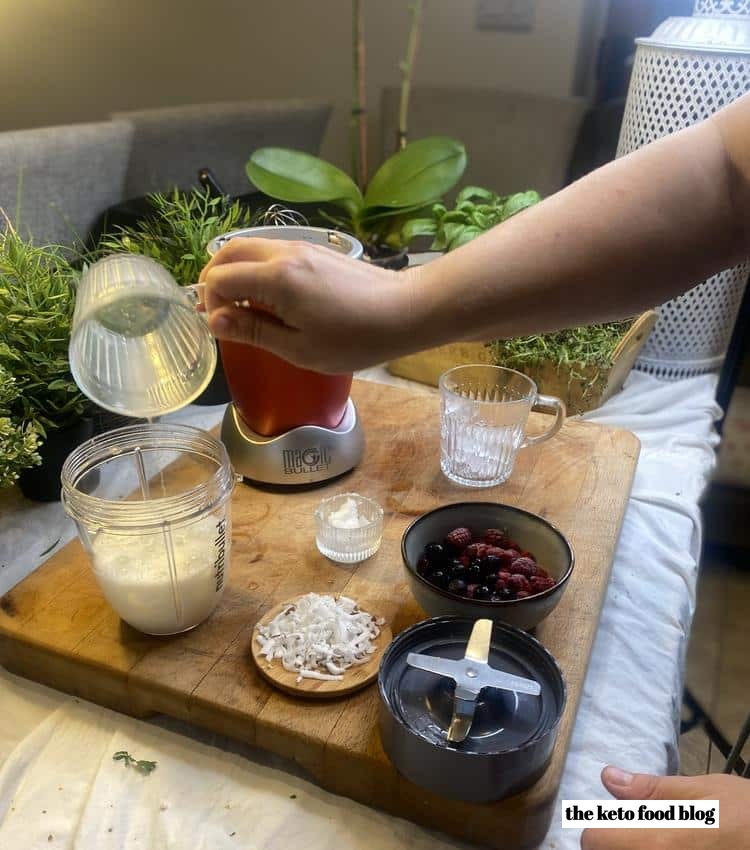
[687, 70]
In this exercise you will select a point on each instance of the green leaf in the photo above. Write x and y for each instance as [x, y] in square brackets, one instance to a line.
[372, 214]
[298, 177]
[451, 231]
[422, 171]
[469, 192]
[418, 227]
[141, 765]
[466, 234]
[519, 202]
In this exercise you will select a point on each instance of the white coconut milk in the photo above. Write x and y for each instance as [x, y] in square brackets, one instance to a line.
[135, 574]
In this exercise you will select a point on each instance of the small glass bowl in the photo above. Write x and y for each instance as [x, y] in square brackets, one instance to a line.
[349, 545]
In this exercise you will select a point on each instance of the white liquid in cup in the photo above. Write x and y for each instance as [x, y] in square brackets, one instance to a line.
[134, 574]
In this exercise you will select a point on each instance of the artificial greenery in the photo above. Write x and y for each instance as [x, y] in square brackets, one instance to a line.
[475, 211]
[405, 186]
[19, 442]
[37, 298]
[178, 230]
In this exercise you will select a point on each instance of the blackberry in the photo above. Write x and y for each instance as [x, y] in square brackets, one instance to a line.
[457, 586]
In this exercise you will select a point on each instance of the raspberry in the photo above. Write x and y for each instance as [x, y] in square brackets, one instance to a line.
[501, 557]
[524, 566]
[471, 590]
[458, 539]
[518, 582]
[522, 594]
[465, 559]
[539, 585]
[494, 537]
[504, 576]
[541, 572]
[477, 550]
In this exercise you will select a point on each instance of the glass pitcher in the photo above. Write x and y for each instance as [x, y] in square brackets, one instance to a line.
[137, 346]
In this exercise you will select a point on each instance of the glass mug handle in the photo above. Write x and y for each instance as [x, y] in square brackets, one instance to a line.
[547, 402]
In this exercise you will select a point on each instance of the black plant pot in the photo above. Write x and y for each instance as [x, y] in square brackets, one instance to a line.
[387, 258]
[42, 483]
[217, 391]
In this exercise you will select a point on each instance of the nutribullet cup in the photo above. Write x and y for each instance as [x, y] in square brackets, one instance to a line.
[272, 395]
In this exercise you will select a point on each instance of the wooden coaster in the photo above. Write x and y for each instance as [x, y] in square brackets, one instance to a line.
[354, 678]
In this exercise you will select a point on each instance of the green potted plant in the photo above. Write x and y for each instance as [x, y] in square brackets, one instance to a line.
[175, 234]
[19, 442]
[403, 188]
[37, 298]
[406, 186]
[476, 210]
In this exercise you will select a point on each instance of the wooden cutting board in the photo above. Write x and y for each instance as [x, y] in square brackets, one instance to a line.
[56, 628]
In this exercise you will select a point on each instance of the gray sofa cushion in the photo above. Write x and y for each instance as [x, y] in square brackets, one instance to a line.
[514, 141]
[67, 176]
[170, 145]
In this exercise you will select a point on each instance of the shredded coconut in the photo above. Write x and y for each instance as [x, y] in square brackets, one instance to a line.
[319, 637]
[347, 516]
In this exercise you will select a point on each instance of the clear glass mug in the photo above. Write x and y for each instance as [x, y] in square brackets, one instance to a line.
[483, 415]
[138, 347]
[152, 505]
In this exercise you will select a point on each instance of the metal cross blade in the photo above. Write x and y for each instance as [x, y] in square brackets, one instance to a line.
[471, 674]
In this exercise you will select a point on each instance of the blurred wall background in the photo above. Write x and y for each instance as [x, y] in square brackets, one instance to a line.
[64, 61]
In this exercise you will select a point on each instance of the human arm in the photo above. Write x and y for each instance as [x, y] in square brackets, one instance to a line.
[633, 234]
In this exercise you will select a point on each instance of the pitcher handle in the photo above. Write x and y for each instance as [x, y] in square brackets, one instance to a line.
[547, 402]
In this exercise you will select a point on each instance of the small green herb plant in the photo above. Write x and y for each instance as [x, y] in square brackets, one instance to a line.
[178, 230]
[406, 185]
[144, 767]
[37, 298]
[19, 442]
[476, 210]
[593, 346]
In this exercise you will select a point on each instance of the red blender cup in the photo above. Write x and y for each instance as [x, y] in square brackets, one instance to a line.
[287, 425]
[272, 395]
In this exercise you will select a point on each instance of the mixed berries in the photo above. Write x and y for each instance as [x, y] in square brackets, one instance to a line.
[490, 567]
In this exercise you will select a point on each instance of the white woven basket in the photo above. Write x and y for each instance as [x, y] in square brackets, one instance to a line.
[687, 70]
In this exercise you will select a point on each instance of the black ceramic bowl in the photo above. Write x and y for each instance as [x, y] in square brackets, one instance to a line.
[512, 736]
[535, 534]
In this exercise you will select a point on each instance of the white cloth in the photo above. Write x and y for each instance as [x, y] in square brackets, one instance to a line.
[59, 786]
